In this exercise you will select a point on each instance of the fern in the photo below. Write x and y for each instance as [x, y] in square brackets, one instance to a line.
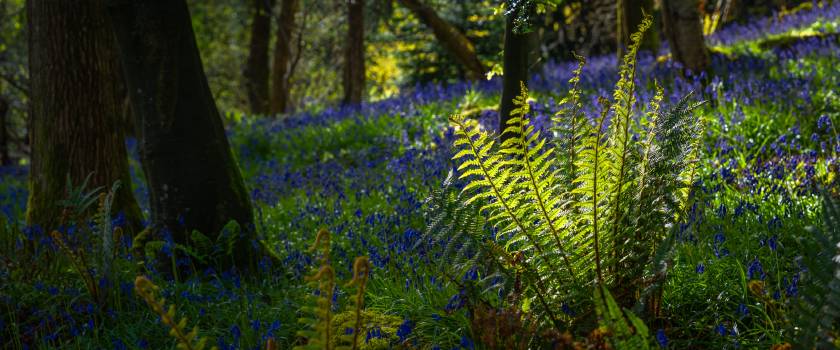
[816, 314]
[588, 209]
[187, 340]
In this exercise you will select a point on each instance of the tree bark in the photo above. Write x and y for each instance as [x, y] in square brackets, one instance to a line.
[515, 67]
[4, 138]
[194, 182]
[354, 58]
[630, 14]
[256, 69]
[450, 37]
[685, 33]
[74, 108]
[282, 56]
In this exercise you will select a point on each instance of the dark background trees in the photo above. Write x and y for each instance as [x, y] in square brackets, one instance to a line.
[256, 71]
[354, 56]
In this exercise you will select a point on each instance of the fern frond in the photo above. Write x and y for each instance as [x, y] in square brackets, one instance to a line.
[361, 273]
[318, 315]
[568, 124]
[188, 340]
[592, 193]
[816, 312]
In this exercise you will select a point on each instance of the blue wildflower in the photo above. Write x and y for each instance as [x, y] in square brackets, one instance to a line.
[661, 338]
[700, 268]
[467, 343]
[721, 329]
[755, 271]
[404, 330]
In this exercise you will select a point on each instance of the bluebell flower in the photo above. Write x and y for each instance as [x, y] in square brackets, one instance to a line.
[404, 330]
[700, 268]
[721, 329]
[467, 343]
[743, 310]
[235, 332]
[661, 338]
[755, 271]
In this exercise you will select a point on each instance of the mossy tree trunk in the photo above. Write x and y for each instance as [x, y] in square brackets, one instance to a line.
[281, 74]
[256, 68]
[194, 182]
[354, 54]
[515, 65]
[74, 108]
[450, 37]
[681, 20]
[629, 14]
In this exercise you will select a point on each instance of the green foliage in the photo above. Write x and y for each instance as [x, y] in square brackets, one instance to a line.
[816, 315]
[187, 340]
[626, 330]
[623, 193]
[77, 205]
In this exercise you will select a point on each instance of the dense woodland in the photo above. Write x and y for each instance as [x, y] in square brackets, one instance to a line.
[419, 174]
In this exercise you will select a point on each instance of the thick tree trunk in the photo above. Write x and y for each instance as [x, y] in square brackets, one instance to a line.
[685, 33]
[74, 108]
[282, 56]
[515, 67]
[256, 69]
[629, 14]
[4, 136]
[450, 37]
[354, 58]
[194, 182]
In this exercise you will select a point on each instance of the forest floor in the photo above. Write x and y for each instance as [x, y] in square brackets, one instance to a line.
[770, 144]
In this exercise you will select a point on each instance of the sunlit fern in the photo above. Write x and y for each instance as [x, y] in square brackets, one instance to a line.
[187, 340]
[585, 208]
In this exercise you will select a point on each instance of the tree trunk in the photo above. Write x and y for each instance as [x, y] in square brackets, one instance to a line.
[74, 108]
[515, 67]
[685, 33]
[256, 69]
[450, 37]
[282, 56]
[194, 182]
[630, 14]
[354, 58]
[4, 136]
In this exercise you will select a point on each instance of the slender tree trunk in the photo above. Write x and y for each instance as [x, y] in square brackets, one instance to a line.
[630, 14]
[515, 66]
[74, 108]
[450, 37]
[194, 182]
[282, 56]
[354, 58]
[4, 136]
[256, 69]
[685, 33]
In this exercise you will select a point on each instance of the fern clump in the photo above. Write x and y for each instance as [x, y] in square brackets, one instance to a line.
[584, 208]
[187, 340]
